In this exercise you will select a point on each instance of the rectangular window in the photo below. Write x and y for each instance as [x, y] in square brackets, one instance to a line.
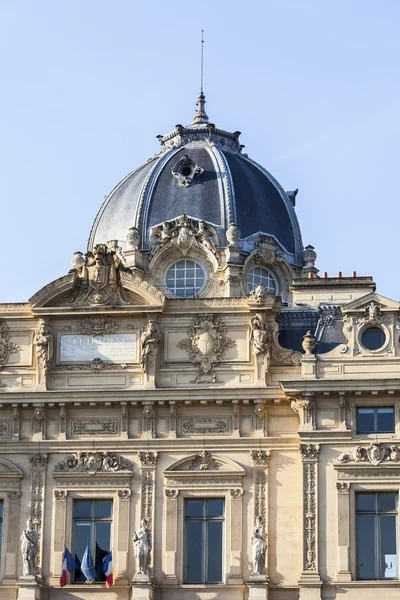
[204, 532]
[92, 525]
[375, 420]
[376, 535]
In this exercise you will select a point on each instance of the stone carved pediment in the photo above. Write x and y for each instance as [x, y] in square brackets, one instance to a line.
[93, 462]
[364, 304]
[72, 291]
[9, 470]
[204, 462]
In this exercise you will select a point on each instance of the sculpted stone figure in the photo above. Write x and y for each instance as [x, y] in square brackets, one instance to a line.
[259, 544]
[259, 294]
[43, 342]
[29, 542]
[142, 545]
[151, 337]
[259, 335]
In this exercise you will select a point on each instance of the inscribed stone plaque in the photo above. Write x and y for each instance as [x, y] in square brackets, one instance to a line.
[115, 348]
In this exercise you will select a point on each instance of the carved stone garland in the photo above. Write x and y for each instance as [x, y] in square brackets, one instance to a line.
[206, 344]
[148, 464]
[38, 485]
[309, 456]
[7, 347]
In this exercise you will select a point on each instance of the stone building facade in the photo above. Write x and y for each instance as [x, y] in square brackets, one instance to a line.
[193, 381]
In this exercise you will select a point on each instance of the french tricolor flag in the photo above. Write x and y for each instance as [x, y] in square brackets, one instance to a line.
[107, 569]
[68, 565]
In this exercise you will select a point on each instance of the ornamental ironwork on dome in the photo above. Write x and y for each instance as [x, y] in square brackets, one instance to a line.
[201, 172]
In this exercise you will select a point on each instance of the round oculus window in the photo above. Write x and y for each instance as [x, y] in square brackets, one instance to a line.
[261, 275]
[185, 278]
[373, 338]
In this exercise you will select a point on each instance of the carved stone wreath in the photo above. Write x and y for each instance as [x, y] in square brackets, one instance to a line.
[206, 345]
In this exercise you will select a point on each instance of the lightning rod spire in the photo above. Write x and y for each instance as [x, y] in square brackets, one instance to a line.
[201, 115]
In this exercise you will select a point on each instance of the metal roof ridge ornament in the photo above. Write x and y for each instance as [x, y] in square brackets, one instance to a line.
[201, 115]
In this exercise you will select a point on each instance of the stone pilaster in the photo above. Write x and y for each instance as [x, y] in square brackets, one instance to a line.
[259, 418]
[124, 420]
[236, 510]
[235, 419]
[11, 548]
[343, 491]
[342, 411]
[305, 408]
[38, 486]
[148, 428]
[172, 420]
[62, 417]
[148, 464]
[16, 422]
[39, 423]
[310, 581]
[258, 587]
[123, 541]
[171, 536]
[60, 516]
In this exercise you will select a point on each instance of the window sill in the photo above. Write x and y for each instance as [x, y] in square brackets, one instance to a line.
[365, 583]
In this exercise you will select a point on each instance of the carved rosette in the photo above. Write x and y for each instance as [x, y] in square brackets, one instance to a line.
[343, 487]
[206, 344]
[309, 455]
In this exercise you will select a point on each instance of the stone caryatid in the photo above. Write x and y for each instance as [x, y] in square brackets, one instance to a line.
[259, 545]
[260, 336]
[151, 338]
[142, 545]
[29, 543]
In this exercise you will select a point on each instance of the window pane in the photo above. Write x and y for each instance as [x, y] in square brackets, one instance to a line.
[81, 538]
[83, 508]
[1, 510]
[387, 501]
[388, 545]
[194, 551]
[365, 420]
[214, 551]
[103, 531]
[103, 508]
[385, 419]
[366, 545]
[366, 502]
[373, 338]
[194, 508]
[215, 508]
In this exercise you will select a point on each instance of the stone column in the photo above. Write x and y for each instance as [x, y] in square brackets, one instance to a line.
[236, 572]
[38, 486]
[258, 582]
[343, 490]
[60, 516]
[171, 536]
[11, 548]
[123, 507]
[310, 581]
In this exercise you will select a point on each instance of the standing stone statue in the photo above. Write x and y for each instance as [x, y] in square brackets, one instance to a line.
[151, 337]
[29, 543]
[43, 342]
[142, 545]
[259, 548]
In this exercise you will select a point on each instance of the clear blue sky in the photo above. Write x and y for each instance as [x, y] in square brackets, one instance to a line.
[87, 85]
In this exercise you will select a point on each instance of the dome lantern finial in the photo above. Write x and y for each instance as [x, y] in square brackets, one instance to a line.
[201, 115]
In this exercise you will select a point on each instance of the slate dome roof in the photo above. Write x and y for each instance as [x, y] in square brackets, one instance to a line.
[201, 172]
